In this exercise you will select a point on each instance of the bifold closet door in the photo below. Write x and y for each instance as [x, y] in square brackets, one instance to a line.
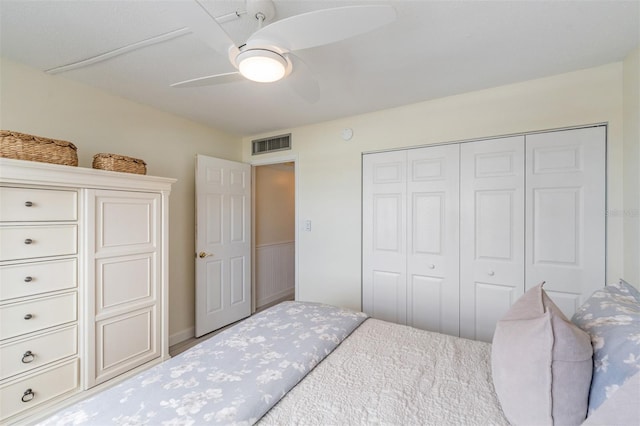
[410, 237]
[433, 176]
[566, 218]
[491, 232]
[384, 260]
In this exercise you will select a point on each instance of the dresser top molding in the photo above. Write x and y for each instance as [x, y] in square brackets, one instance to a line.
[36, 173]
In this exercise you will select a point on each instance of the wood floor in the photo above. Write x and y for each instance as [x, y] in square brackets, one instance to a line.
[183, 346]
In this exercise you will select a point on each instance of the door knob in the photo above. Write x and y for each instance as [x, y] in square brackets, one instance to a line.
[203, 254]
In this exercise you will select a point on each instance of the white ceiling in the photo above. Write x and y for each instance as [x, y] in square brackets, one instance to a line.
[433, 49]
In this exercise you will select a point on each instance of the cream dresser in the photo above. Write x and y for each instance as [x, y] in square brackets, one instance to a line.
[83, 282]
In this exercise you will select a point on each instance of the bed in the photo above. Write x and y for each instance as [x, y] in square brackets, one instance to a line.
[308, 363]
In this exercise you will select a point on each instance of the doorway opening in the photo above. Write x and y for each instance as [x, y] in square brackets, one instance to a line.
[273, 234]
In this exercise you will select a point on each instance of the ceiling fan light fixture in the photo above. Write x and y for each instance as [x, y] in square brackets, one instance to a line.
[261, 65]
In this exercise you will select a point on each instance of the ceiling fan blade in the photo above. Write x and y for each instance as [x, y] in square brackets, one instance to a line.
[322, 27]
[205, 26]
[302, 80]
[210, 80]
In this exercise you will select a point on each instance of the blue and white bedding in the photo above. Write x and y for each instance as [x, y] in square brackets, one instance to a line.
[234, 377]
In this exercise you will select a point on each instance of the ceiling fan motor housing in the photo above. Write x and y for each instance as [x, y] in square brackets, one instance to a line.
[266, 8]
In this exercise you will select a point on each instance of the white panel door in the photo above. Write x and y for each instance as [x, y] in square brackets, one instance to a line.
[491, 233]
[565, 230]
[223, 243]
[384, 263]
[433, 238]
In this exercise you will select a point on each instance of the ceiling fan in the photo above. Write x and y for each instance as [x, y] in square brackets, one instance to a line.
[267, 55]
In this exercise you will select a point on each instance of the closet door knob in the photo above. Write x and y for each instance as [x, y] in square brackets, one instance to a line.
[432, 266]
[28, 241]
[491, 273]
[28, 279]
[28, 204]
[28, 316]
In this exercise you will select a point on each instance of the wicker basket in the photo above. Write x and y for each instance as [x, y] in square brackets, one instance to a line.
[21, 146]
[119, 163]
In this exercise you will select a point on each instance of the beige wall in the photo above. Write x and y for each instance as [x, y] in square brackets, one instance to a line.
[632, 167]
[36, 103]
[275, 205]
[329, 169]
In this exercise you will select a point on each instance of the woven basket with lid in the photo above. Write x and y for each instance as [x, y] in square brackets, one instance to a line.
[119, 163]
[22, 146]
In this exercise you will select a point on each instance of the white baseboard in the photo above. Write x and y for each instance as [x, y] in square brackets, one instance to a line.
[181, 336]
[281, 296]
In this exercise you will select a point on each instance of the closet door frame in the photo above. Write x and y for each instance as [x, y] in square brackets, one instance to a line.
[566, 284]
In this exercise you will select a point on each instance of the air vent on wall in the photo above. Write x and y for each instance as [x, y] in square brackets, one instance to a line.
[274, 143]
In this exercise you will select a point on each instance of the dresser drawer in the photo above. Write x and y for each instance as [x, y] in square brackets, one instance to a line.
[22, 204]
[24, 242]
[29, 392]
[28, 354]
[28, 279]
[37, 314]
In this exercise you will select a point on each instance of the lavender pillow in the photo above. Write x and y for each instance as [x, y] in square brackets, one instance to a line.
[541, 363]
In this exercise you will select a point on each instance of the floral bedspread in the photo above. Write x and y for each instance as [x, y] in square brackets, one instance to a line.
[234, 377]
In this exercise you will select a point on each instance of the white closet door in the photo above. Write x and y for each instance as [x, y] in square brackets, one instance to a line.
[491, 233]
[433, 238]
[384, 187]
[565, 230]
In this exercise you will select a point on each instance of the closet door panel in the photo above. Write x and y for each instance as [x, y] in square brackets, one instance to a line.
[433, 238]
[425, 307]
[384, 289]
[491, 301]
[565, 229]
[388, 297]
[491, 232]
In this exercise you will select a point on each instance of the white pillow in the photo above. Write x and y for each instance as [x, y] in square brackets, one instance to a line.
[541, 363]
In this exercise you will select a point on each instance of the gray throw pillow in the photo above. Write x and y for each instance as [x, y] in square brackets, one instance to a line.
[541, 363]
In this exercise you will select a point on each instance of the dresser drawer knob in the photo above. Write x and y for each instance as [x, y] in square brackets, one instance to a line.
[28, 279]
[28, 316]
[28, 395]
[28, 357]
[28, 241]
[28, 204]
